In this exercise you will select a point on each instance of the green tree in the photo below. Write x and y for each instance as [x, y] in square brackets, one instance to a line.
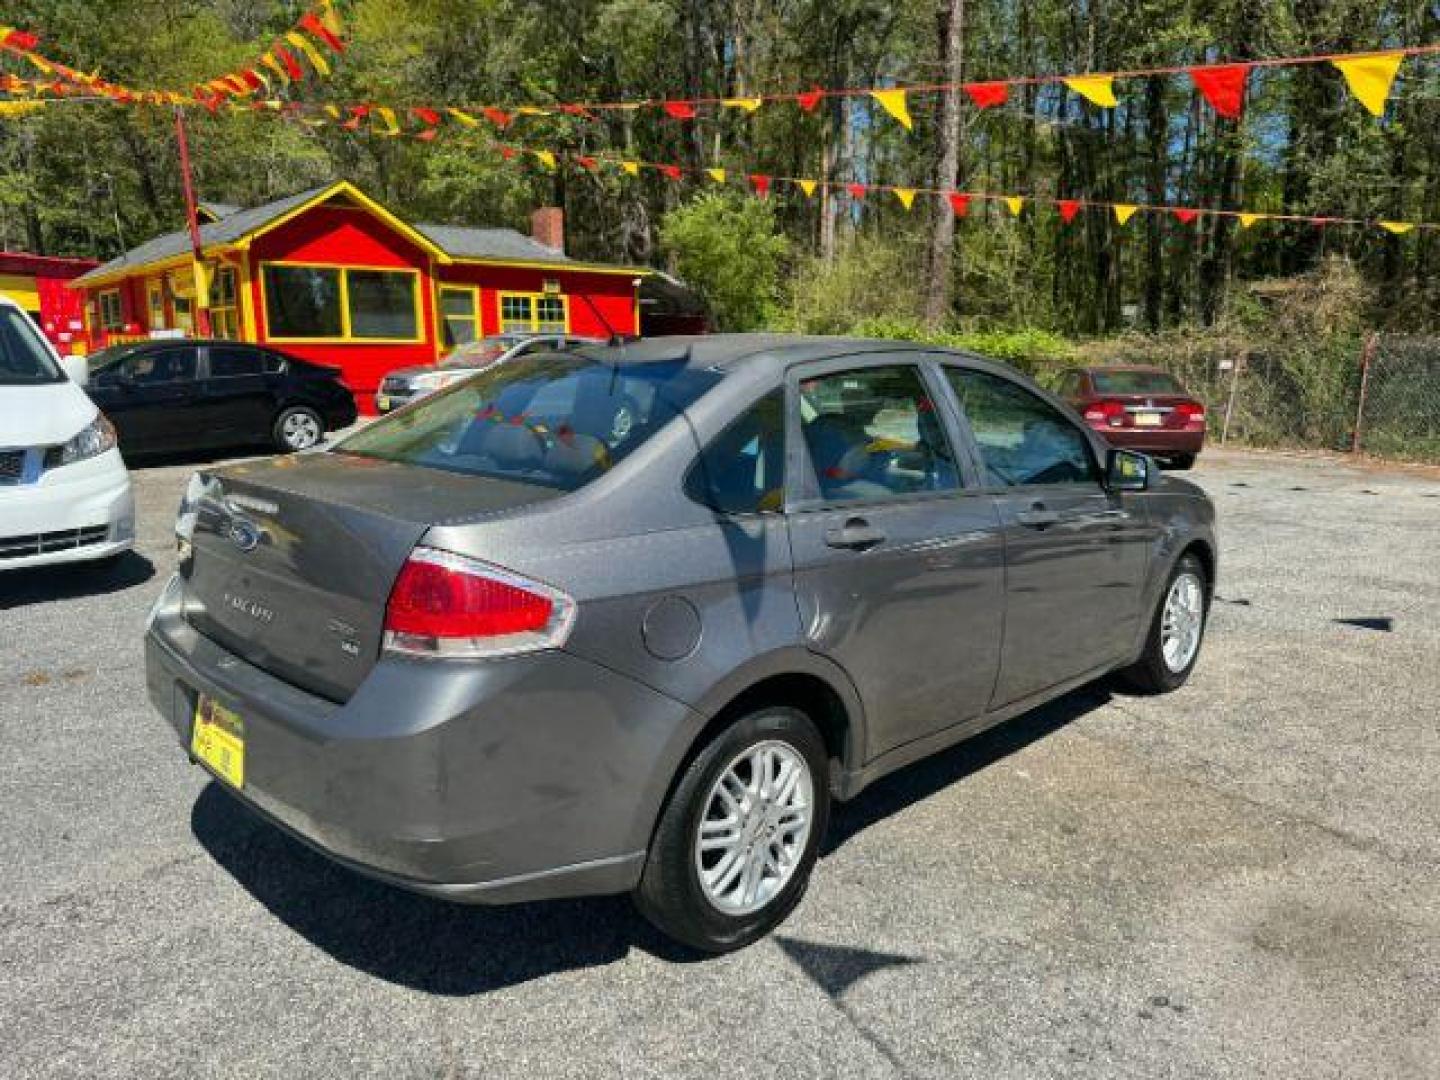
[727, 247]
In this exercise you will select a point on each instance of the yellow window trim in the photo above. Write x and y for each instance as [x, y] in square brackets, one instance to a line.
[346, 337]
[501, 297]
[559, 268]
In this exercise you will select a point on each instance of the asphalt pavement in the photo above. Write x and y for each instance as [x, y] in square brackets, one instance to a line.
[1239, 880]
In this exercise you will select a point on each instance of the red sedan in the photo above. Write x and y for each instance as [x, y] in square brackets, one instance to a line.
[1139, 408]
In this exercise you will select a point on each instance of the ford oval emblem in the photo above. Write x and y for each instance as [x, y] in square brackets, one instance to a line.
[244, 535]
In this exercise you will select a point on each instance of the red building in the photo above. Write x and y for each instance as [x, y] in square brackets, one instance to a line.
[38, 284]
[332, 276]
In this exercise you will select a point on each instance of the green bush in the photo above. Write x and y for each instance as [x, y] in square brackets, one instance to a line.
[726, 247]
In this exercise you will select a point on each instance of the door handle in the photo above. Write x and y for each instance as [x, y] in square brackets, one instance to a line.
[856, 534]
[1037, 517]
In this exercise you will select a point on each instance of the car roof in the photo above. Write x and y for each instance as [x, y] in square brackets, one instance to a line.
[728, 352]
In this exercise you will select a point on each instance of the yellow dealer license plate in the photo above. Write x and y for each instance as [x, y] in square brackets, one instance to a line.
[218, 739]
[382, 402]
[1147, 419]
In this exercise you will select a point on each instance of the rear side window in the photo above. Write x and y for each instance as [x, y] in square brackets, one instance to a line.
[229, 362]
[1022, 438]
[558, 420]
[742, 470]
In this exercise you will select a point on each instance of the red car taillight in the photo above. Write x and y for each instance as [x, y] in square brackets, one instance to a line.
[1105, 412]
[1192, 412]
[448, 606]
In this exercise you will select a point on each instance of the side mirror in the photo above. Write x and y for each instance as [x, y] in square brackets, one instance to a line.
[76, 368]
[1128, 471]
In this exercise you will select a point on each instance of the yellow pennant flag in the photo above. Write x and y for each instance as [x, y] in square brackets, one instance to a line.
[1124, 212]
[392, 126]
[532, 110]
[718, 175]
[1371, 77]
[332, 111]
[546, 158]
[464, 117]
[893, 102]
[1016, 203]
[1246, 220]
[632, 168]
[329, 19]
[906, 195]
[274, 65]
[1397, 228]
[11, 109]
[1096, 89]
[808, 187]
[40, 62]
[749, 104]
[301, 42]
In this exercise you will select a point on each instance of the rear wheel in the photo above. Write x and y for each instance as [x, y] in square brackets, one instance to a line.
[1183, 463]
[739, 836]
[298, 428]
[1176, 632]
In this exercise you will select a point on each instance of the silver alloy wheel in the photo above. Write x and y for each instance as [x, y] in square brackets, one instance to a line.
[300, 431]
[755, 827]
[1183, 622]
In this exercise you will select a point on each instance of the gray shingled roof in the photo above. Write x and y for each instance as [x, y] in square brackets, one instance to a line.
[219, 210]
[463, 243]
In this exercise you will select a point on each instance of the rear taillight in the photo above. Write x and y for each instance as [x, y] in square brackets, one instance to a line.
[1105, 412]
[447, 606]
[1192, 412]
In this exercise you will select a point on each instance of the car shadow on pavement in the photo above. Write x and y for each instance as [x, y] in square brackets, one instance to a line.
[454, 949]
[69, 581]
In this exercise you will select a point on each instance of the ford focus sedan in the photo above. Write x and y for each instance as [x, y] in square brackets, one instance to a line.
[629, 619]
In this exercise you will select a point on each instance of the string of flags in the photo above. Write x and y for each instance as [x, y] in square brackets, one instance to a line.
[279, 65]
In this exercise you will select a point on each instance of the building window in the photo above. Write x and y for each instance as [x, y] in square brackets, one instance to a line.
[224, 305]
[342, 304]
[112, 313]
[534, 312]
[155, 292]
[460, 309]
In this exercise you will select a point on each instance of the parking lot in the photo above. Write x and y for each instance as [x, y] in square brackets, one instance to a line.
[1240, 880]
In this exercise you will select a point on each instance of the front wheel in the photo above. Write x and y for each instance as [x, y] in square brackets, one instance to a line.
[1176, 632]
[298, 428]
[740, 834]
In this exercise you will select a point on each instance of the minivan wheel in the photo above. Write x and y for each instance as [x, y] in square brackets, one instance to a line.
[298, 428]
[736, 842]
[1176, 632]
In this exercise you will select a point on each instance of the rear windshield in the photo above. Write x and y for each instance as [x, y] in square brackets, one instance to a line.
[24, 359]
[1135, 382]
[558, 420]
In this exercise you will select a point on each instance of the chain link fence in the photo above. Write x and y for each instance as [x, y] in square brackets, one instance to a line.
[1398, 408]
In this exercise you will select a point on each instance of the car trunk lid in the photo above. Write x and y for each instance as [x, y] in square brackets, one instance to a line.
[293, 558]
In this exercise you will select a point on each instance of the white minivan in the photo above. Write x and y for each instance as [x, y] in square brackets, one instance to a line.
[64, 492]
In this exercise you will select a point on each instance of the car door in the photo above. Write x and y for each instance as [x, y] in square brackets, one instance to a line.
[898, 562]
[154, 402]
[238, 400]
[1075, 552]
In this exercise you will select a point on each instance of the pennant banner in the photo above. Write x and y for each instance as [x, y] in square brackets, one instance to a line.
[1096, 89]
[1124, 212]
[1223, 87]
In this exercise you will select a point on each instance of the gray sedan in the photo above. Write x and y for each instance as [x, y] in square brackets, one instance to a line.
[404, 385]
[629, 619]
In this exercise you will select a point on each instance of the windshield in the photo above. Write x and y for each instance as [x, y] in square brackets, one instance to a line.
[24, 358]
[554, 419]
[1135, 382]
[476, 354]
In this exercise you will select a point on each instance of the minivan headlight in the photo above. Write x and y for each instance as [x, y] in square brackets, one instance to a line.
[92, 441]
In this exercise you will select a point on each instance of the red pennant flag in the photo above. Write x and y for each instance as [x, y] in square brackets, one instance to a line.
[499, 117]
[671, 171]
[574, 110]
[1068, 209]
[761, 183]
[679, 110]
[1184, 215]
[959, 203]
[507, 152]
[19, 39]
[251, 79]
[586, 162]
[430, 116]
[292, 66]
[311, 22]
[857, 191]
[987, 95]
[809, 99]
[1223, 87]
[428, 135]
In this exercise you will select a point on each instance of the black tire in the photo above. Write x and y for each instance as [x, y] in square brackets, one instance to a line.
[1183, 463]
[295, 419]
[670, 893]
[1152, 673]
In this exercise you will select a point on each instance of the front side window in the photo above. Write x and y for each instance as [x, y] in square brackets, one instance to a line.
[742, 470]
[382, 305]
[24, 359]
[874, 434]
[160, 366]
[1022, 438]
[551, 419]
[303, 302]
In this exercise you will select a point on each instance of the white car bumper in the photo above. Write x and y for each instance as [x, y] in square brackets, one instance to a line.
[71, 514]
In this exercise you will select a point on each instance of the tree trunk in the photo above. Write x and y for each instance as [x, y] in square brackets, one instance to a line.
[947, 173]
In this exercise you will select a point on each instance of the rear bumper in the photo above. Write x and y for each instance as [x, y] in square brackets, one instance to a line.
[1159, 443]
[528, 778]
[73, 513]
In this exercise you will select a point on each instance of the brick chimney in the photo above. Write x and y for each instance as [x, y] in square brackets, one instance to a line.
[547, 225]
